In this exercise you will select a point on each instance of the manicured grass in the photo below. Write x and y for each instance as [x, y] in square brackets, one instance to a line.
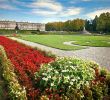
[56, 41]
[93, 41]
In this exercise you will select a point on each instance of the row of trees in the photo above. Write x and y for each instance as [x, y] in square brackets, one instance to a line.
[98, 24]
[70, 25]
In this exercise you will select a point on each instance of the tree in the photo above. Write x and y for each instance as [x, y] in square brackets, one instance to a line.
[94, 23]
[89, 25]
[108, 22]
[16, 28]
[70, 25]
[103, 22]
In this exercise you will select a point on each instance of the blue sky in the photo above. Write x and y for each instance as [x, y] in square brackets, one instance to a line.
[51, 10]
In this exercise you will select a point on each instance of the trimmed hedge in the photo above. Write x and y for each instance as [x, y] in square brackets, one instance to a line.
[16, 92]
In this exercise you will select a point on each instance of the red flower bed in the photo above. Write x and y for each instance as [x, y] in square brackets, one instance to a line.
[26, 61]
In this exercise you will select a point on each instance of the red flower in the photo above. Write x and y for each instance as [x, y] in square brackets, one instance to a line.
[26, 62]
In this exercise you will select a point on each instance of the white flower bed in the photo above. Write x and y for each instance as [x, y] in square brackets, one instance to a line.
[66, 73]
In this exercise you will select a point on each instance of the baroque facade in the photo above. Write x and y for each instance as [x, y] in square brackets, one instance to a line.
[22, 25]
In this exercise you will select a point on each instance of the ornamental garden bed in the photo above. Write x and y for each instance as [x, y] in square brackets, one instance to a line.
[30, 75]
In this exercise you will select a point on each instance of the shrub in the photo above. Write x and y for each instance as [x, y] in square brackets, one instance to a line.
[108, 82]
[16, 92]
[65, 78]
[1, 90]
[103, 72]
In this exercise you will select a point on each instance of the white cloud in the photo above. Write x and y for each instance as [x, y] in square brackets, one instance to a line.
[97, 12]
[64, 13]
[44, 12]
[51, 8]
[71, 11]
[47, 4]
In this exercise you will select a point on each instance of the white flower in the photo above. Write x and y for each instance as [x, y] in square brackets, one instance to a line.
[72, 67]
[87, 83]
[68, 77]
[44, 74]
[78, 77]
[69, 86]
[64, 70]
[54, 78]
[56, 72]
[71, 83]
[49, 76]
[73, 80]
[52, 84]
[45, 79]
[50, 69]
[78, 86]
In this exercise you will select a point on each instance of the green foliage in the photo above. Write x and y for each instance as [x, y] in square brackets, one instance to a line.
[67, 75]
[16, 92]
[8, 32]
[103, 72]
[1, 89]
[4, 32]
[108, 82]
[99, 24]
[70, 25]
[97, 91]
[103, 23]
[73, 79]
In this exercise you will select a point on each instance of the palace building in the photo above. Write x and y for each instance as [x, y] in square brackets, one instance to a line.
[22, 25]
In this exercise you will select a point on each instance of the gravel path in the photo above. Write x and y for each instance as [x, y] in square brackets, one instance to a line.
[100, 55]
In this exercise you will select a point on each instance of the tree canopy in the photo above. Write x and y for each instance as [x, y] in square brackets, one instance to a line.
[70, 25]
[99, 24]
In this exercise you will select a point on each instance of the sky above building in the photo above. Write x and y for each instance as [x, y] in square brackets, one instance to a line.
[51, 10]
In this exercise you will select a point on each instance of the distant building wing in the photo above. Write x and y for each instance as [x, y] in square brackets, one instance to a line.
[22, 25]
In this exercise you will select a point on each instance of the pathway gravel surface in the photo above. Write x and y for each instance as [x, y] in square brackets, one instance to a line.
[100, 55]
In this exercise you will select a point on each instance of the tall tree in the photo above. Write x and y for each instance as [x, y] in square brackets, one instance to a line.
[103, 22]
[94, 23]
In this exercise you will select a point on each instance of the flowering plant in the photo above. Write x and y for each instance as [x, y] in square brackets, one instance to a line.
[16, 92]
[65, 74]
[26, 61]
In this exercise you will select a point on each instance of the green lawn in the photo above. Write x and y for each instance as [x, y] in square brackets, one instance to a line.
[56, 41]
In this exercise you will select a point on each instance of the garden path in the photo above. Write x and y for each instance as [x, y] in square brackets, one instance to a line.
[100, 55]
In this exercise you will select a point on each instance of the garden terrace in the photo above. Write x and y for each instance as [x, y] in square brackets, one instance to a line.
[45, 78]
